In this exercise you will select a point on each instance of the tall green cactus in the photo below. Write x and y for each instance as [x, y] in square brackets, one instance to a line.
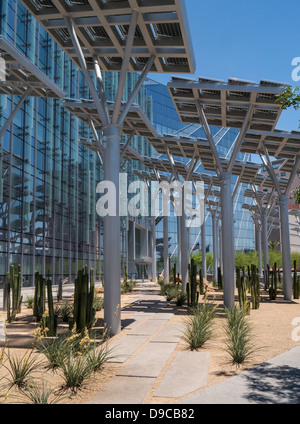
[194, 296]
[220, 279]
[51, 321]
[174, 274]
[273, 283]
[254, 287]
[201, 283]
[39, 297]
[242, 291]
[13, 290]
[84, 312]
[296, 283]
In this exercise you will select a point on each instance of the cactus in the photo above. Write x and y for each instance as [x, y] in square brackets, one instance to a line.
[39, 297]
[273, 283]
[201, 284]
[220, 279]
[51, 321]
[13, 289]
[193, 283]
[174, 274]
[255, 288]
[242, 291]
[84, 312]
[296, 283]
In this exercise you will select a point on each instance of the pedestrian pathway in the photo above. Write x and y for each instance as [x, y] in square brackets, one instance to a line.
[276, 381]
[147, 347]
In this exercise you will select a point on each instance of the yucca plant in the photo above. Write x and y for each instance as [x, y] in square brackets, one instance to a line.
[75, 370]
[98, 356]
[199, 326]
[40, 394]
[55, 352]
[239, 344]
[20, 369]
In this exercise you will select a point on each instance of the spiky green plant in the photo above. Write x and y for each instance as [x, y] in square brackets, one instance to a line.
[75, 370]
[40, 394]
[20, 369]
[240, 343]
[199, 326]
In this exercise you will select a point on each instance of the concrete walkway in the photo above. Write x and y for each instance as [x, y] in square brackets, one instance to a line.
[148, 355]
[274, 382]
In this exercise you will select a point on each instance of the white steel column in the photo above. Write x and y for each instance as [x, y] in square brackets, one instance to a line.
[227, 240]
[154, 277]
[265, 247]
[166, 249]
[203, 248]
[286, 247]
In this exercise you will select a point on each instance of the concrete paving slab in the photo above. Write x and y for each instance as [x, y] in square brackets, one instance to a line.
[123, 390]
[148, 328]
[125, 347]
[276, 381]
[187, 373]
[150, 361]
[163, 315]
[135, 320]
[172, 333]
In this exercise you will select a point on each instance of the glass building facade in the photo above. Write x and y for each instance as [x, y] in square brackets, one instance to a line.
[48, 219]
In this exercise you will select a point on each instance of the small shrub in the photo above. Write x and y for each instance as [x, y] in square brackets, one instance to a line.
[170, 291]
[20, 369]
[29, 302]
[181, 299]
[99, 356]
[40, 394]
[238, 330]
[75, 370]
[199, 326]
[98, 304]
[55, 352]
[65, 311]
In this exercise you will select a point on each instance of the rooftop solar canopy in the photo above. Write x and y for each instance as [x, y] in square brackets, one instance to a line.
[130, 153]
[21, 74]
[226, 104]
[102, 27]
[280, 144]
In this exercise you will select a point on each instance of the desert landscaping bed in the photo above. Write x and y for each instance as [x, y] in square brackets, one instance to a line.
[272, 324]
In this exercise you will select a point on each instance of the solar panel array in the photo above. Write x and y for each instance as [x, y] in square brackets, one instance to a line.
[20, 74]
[102, 27]
[226, 104]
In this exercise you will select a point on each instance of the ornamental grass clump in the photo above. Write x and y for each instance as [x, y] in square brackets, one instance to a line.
[240, 342]
[40, 394]
[20, 369]
[75, 370]
[199, 327]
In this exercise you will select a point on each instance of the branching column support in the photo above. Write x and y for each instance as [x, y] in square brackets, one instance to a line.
[284, 218]
[111, 134]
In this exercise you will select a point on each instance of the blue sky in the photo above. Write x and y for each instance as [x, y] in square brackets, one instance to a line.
[251, 40]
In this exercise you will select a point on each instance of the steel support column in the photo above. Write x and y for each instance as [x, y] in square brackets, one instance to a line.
[215, 245]
[112, 235]
[265, 247]
[184, 251]
[203, 248]
[154, 277]
[227, 240]
[286, 247]
[166, 249]
[260, 273]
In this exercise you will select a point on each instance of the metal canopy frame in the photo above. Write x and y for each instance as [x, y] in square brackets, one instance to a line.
[23, 79]
[117, 35]
[233, 104]
[103, 27]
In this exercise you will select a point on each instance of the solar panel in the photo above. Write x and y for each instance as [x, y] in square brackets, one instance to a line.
[21, 74]
[280, 144]
[225, 104]
[102, 27]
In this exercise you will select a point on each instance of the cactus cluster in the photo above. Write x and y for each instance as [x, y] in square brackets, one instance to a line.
[39, 297]
[174, 275]
[13, 291]
[191, 288]
[254, 286]
[241, 283]
[84, 311]
[296, 283]
[48, 319]
[273, 283]
[220, 279]
[201, 283]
